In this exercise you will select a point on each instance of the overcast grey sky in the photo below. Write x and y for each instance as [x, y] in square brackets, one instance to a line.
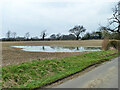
[56, 16]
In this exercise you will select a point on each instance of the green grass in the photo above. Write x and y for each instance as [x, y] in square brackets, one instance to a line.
[38, 73]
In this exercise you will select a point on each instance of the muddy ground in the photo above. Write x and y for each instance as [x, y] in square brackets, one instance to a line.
[12, 55]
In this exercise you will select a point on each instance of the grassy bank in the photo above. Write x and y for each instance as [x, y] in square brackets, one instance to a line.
[38, 73]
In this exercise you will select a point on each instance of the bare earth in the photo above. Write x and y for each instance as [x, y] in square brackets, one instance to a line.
[12, 55]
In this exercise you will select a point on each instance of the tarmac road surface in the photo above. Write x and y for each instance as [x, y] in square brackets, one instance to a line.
[103, 76]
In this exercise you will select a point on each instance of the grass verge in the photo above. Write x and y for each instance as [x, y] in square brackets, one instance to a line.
[39, 73]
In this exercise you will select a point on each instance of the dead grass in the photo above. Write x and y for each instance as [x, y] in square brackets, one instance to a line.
[105, 44]
[12, 55]
[110, 44]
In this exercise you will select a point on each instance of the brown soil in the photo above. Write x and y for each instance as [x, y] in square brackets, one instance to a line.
[12, 55]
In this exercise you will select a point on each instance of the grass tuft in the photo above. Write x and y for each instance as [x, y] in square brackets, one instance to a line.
[39, 73]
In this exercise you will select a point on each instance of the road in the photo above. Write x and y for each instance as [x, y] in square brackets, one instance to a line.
[103, 76]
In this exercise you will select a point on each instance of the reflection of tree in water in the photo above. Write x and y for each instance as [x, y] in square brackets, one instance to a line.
[89, 48]
[53, 47]
[56, 47]
[74, 48]
[77, 48]
[70, 48]
[43, 47]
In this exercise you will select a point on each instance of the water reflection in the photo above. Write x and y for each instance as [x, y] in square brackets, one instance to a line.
[57, 49]
[77, 48]
[43, 48]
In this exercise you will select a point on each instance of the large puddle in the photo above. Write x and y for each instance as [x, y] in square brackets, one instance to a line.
[57, 49]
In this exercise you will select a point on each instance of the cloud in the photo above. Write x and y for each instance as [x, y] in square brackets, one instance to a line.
[54, 15]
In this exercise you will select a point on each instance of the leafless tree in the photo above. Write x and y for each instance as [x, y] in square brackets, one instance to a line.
[58, 36]
[53, 36]
[77, 30]
[114, 21]
[8, 34]
[14, 34]
[43, 34]
[27, 35]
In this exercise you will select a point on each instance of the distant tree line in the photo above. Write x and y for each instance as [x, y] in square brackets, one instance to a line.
[78, 32]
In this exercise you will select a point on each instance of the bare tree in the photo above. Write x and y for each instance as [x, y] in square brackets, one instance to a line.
[8, 34]
[53, 36]
[114, 21]
[58, 36]
[27, 35]
[77, 30]
[43, 34]
[14, 34]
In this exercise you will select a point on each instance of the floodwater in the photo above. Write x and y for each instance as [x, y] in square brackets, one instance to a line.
[57, 49]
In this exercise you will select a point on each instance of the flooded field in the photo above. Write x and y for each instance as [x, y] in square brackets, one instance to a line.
[13, 55]
[57, 48]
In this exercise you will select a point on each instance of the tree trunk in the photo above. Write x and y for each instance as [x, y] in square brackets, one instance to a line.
[77, 38]
[43, 37]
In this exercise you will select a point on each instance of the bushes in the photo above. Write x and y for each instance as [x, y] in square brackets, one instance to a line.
[107, 44]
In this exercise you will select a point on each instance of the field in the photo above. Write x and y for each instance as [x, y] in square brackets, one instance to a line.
[12, 55]
[46, 68]
[40, 73]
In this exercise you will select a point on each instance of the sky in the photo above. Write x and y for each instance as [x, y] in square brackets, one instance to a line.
[55, 16]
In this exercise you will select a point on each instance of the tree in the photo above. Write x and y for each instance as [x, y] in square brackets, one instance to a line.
[53, 36]
[77, 31]
[96, 35]
[14, 34]
[27, 35]
[105, 33]
[58, 36]
[99, 33]
[43, 34]
[114, 21]
[68, 37]
[86, 36]
[8, 34]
